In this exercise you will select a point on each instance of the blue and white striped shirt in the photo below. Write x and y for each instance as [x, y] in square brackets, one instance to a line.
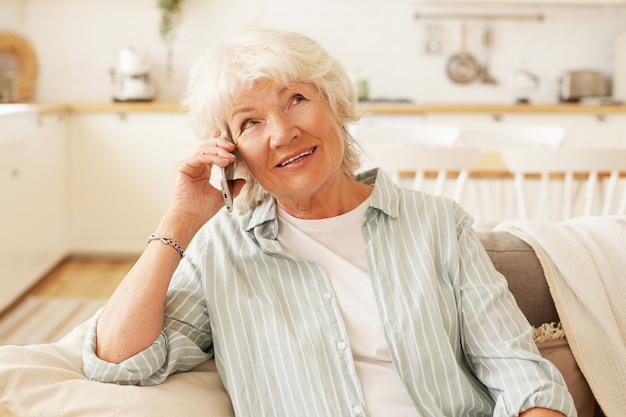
[455, 334]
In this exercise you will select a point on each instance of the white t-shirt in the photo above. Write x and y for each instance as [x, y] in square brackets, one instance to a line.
[337, 245]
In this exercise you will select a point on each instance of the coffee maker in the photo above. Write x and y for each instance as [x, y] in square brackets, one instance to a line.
[131, 77]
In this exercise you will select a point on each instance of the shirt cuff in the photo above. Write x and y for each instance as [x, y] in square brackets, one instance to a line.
[170, 352]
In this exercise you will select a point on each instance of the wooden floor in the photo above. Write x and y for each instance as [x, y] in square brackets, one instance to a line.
[79, 277]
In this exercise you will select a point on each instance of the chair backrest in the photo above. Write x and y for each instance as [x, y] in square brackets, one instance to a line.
[420, 163]
[424, 134]
[501, 136]
[601, 171]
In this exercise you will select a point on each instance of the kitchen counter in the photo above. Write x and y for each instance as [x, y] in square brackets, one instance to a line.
[364, 107]
[383, 108]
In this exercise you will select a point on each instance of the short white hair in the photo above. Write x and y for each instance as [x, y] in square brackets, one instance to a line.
[224, 73]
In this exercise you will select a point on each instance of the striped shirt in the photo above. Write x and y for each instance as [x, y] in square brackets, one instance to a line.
[456, 337]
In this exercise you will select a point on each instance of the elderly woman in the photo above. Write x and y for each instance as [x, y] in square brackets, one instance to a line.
[324, 293]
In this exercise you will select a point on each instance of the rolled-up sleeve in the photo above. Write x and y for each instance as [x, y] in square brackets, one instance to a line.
[498, 340]
[184, 342]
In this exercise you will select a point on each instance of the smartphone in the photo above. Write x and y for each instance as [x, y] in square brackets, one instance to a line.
[226, 174]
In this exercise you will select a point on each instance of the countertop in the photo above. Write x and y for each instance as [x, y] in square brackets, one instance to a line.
[364, 108]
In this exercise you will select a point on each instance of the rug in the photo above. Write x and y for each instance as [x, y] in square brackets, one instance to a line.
[5, 412]
[45, 319]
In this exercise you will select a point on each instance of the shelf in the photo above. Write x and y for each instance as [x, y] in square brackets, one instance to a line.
[527, 2]
[479, 16]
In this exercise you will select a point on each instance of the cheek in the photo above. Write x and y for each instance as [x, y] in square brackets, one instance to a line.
[253, 157]
[334, 136]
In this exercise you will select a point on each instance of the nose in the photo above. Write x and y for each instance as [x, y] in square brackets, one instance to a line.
[282, 130]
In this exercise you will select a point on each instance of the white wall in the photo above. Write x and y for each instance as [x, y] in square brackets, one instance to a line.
[76, 41]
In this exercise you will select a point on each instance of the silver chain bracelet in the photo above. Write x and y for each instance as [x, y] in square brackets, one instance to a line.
[167, 241]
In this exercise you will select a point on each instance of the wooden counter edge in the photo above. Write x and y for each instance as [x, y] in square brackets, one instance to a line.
[362, 108]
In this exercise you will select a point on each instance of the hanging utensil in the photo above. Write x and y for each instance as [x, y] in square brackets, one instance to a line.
[485, 74]
[462, 67]
[433, 45]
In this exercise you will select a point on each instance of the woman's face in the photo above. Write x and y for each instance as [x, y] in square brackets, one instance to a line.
[289, 140]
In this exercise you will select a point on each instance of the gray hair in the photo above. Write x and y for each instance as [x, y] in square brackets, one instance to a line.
[224, 73]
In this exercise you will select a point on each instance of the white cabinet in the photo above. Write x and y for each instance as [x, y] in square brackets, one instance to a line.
[12, 258]
[122, 171]
[34, 203]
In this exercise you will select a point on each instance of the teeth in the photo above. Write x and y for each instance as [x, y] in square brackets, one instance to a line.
[309, 152]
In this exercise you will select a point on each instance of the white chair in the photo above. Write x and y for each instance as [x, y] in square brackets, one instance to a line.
[424, 134]
[419, 162]
[572, 168]
[496, 137]
[416, 150]
[493, 198]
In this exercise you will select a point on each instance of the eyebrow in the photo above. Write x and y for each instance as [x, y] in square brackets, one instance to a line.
[248, 109]
[241, 110]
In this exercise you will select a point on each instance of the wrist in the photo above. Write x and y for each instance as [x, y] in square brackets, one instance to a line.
[166, 240]
[180, 229]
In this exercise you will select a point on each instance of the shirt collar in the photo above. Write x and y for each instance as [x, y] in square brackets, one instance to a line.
[386, 196]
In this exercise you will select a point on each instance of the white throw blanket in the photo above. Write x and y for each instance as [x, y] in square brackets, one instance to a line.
[584, 260]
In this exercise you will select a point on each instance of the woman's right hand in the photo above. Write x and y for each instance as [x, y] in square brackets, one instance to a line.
[193, 198]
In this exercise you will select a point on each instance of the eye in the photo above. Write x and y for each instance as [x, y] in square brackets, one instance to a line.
[248, 123]
[297, 98]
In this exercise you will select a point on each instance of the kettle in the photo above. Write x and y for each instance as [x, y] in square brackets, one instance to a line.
[131, 77]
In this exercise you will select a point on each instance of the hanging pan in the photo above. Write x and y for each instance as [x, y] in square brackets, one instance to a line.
[462, 67]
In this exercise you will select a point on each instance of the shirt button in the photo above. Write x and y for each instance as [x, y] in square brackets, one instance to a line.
[358, 410]
[327, 296]
[341, 345]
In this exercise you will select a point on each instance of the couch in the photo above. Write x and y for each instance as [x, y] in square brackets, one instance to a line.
[46, 380]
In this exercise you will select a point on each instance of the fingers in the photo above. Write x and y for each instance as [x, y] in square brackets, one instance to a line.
[216, 151]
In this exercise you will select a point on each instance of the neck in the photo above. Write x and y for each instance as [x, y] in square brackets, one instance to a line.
[341, 200]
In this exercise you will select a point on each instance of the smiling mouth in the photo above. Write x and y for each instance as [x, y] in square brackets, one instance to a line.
[295, 158]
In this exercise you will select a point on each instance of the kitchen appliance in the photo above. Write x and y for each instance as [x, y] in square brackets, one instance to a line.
[131, 77]
[526, 83]
[579, 85]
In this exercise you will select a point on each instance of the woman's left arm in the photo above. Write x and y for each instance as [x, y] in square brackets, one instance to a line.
[497, 338]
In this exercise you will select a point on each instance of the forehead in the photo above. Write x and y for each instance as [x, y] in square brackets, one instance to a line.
[254, 91]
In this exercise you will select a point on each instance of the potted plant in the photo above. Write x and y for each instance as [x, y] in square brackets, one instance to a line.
[170, 19]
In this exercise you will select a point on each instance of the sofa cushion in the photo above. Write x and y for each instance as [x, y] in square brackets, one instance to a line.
[47, 380]
[517, 261]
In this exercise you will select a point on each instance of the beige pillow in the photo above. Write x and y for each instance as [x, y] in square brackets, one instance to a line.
[47, 380]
